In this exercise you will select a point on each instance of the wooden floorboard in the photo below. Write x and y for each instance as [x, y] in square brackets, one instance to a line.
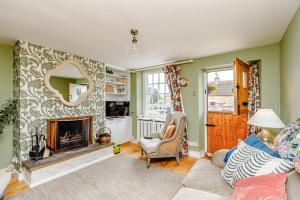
[134, 150]
[14, 187]
[128, 149]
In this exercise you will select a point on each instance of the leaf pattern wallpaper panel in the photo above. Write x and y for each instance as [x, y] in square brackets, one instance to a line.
[37, 103]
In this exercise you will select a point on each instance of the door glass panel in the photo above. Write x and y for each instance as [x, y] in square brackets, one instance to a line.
[220, 85]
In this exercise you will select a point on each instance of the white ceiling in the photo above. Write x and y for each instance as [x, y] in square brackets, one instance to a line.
[169, 29]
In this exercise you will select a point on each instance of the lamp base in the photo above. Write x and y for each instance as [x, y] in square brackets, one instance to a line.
[266, 136]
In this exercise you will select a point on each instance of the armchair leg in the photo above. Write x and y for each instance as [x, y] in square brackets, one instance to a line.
[148, 162]
[177, 159]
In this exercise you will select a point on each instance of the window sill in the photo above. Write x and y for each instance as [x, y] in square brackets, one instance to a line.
[152, 118]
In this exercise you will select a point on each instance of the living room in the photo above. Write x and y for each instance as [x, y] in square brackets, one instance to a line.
[104, 100]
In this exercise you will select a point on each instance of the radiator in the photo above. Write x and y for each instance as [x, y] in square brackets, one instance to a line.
[147, 126]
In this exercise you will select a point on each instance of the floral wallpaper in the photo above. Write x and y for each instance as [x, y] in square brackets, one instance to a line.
[37, 103]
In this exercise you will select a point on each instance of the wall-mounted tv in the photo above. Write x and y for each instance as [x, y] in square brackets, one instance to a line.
[117, 108]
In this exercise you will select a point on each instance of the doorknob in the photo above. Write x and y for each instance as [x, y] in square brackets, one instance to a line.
[211, 125]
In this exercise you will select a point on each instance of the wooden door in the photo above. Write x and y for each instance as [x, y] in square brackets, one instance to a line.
[241, 82]
[224, 129]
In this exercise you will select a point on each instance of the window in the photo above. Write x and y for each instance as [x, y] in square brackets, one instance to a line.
[220, 91]
[157, 98]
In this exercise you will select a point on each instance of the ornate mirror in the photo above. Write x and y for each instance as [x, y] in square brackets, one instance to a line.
[69, 82]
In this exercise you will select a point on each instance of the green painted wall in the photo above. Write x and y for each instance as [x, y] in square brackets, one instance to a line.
[62, 85]
[6, 90]
[269, 57]
[136, 100]
[290, 71]
[193, 95]
[82, 81]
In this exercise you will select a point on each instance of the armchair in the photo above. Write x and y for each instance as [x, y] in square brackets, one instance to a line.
[157, 147]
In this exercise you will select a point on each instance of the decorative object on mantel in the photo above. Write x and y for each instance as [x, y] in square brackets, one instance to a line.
[72, 72]
[104, 135]
[109, 71]
[7, 113]
[182, 81]
[266, 118]
[37, 151]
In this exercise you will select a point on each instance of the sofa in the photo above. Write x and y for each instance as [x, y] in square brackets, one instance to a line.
[204, 181]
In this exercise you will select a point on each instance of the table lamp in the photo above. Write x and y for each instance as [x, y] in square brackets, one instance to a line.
[266, 118]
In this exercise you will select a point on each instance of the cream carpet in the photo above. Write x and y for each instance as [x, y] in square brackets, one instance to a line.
[119, 177]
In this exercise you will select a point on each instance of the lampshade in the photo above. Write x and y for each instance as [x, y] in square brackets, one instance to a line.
[266, 118]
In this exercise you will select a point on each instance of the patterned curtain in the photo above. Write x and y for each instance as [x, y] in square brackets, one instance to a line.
[172, 72]
[254, 97]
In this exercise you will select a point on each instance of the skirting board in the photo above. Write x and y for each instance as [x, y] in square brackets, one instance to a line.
[135, 141]
[197, 154]
[193, 144]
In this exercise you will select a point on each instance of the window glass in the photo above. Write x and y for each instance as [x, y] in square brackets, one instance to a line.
[157, 97]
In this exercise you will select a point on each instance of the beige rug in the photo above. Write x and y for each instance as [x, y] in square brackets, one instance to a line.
[119, 177]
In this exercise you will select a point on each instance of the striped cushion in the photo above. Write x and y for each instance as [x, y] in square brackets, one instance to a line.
[261, 163]
[237, 158]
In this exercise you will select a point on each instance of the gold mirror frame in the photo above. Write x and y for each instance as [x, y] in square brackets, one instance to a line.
[58, 94]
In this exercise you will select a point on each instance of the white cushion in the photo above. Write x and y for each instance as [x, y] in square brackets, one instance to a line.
[192, 194]
[261, 163]
[236, 159]
[248, 161]
[4, 180]
[149, 145]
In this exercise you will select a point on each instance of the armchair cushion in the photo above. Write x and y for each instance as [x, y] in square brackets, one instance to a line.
[170, 130]
[155, 135]
[164, 128]
[150, 145]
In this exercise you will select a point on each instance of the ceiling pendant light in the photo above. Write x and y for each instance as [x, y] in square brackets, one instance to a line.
[134, 49]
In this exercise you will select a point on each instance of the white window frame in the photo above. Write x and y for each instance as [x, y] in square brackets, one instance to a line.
[145, 83]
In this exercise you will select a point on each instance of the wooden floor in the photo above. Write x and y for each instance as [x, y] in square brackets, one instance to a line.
[129, 149]
[15, 187]
[134, 150]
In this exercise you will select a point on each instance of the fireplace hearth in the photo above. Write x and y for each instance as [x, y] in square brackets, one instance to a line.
[68, 133]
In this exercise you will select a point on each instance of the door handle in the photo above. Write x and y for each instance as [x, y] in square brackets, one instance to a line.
[211, 125]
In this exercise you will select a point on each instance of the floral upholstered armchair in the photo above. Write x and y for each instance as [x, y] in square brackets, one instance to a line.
[158, 147]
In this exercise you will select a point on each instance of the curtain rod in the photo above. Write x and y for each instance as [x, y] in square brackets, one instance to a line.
[216, 67]
[160, 65]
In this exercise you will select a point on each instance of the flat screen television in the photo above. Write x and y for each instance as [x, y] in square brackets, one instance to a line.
[117, 108]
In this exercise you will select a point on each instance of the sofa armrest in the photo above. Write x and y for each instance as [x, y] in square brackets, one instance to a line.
[218, 157]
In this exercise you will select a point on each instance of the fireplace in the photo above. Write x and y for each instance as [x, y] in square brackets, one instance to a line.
[67, 133]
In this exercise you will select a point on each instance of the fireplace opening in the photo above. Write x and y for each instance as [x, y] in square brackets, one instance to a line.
[68, 133]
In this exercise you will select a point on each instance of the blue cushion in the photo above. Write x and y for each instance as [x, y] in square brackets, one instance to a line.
[255, 142]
